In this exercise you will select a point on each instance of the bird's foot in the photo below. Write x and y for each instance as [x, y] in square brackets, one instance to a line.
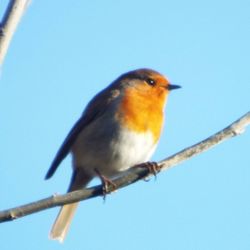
[108, 186]
[153, 169]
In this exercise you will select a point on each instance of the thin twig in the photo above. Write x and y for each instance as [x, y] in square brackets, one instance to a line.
[131, 176]
[236, 128]
[11, 18]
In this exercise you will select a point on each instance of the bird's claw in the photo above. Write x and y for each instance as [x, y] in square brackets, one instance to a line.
[153, 169]
[108, 186]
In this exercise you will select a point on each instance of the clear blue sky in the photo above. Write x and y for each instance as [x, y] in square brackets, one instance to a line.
[66, 51]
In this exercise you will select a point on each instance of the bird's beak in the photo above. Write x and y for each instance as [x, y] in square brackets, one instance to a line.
[172, 86]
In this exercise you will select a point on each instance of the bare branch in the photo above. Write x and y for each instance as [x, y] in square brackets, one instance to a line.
[131, 176]
[236, 128]
[9, 23]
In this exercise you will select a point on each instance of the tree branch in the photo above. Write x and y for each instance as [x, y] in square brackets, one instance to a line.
[9, 23]
[131, 176]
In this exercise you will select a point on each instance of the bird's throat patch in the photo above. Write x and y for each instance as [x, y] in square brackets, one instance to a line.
[142, 112]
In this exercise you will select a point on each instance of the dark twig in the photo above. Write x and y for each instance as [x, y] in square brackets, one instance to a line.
[131, 176]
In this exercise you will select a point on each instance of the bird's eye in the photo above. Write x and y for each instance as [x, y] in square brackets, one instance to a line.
[150, 81]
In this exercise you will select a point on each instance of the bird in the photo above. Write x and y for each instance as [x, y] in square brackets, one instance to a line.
[119, 128]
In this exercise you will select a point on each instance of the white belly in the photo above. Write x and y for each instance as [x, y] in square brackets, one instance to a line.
[132, 148]
[111, 150]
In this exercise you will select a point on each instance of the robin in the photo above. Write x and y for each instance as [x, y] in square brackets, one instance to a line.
[119, 129]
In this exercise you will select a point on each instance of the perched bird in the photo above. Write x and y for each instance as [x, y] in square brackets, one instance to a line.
[119, 129]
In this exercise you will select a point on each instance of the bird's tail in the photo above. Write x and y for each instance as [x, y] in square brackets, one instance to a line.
[63, 221]
[61, 225]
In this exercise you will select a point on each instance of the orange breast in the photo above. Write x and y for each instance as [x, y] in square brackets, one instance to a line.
[143, 111]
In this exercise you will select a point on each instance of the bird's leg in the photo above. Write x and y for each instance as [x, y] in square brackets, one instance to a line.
[153, 168]
[108, 185]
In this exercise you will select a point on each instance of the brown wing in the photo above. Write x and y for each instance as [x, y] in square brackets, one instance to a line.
[95, 108]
